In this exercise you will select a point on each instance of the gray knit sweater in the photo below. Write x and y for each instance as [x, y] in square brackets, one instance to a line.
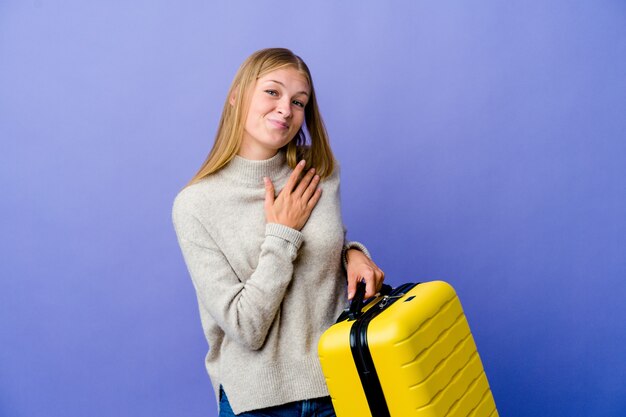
[266, 292]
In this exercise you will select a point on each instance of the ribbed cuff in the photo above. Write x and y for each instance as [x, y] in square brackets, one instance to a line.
[292, 236]
[353, 245]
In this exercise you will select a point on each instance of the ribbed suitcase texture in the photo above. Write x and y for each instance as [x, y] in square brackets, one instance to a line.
[409, 354]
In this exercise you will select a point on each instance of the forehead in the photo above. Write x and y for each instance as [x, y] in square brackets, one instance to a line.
[289, 77]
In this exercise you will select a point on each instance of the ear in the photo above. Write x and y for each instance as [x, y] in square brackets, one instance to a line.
[233, 96]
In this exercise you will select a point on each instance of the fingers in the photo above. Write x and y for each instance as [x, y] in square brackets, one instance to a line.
[269, 193]
[317, 194]
[293, 178]
[379, 277]
[352, 281]
[370, 283]
[305, 183]
[373, 282]
[291, 207]
[364, 269]
[310, 188]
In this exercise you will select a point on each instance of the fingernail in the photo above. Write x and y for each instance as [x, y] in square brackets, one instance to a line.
[350, 294]
[302, 162]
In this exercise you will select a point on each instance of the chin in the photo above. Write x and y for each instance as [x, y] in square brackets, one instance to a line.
[277, 144]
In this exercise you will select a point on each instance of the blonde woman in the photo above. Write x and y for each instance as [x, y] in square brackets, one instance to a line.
[260, 229]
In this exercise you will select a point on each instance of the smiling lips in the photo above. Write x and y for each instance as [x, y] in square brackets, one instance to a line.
[279, 124]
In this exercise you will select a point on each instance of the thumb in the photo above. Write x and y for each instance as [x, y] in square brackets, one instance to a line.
[269, 192]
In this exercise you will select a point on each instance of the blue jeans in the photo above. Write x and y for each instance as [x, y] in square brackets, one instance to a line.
[317, 407]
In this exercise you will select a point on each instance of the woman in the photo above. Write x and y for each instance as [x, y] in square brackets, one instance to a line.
[268, 268]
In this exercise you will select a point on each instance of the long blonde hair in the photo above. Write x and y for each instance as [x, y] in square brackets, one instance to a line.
[231, 127]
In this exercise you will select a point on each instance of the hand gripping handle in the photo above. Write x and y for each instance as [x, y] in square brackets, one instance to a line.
[358, 301]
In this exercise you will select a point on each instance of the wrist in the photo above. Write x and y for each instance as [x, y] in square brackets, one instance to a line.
[353, 254]
[353, 246]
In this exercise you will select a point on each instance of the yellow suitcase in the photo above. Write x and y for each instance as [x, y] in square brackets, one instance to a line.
[409, 353]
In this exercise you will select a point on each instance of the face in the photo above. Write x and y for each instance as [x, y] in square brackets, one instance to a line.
[276, 113]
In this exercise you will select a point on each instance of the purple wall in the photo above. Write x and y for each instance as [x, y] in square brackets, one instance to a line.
[483, 144]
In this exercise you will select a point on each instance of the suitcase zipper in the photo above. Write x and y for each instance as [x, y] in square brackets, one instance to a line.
[363, 358]
[383, 303]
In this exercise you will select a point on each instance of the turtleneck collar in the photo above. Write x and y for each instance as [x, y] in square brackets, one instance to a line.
[252, 171]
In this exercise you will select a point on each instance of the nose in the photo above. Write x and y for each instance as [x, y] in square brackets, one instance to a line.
[284, 107]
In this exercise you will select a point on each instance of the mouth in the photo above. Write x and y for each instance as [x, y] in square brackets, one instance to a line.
[279, 124]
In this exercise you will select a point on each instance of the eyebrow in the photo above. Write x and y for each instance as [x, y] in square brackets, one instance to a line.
[278, 82]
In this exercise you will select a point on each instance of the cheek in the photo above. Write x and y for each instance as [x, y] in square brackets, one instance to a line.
[298, 121]
[259, 107]
[256, 115]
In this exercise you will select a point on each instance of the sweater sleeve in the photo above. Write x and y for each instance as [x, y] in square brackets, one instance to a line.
[243, 310]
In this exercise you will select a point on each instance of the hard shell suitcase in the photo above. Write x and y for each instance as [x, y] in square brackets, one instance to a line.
[409, 353]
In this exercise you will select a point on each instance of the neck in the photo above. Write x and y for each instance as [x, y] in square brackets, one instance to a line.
[256, 154]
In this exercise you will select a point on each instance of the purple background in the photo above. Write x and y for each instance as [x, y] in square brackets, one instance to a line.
[482, 143]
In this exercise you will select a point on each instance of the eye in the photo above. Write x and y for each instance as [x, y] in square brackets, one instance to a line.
[298, 103]
[272, 92]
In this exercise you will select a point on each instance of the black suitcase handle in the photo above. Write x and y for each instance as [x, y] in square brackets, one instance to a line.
[359, 297]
